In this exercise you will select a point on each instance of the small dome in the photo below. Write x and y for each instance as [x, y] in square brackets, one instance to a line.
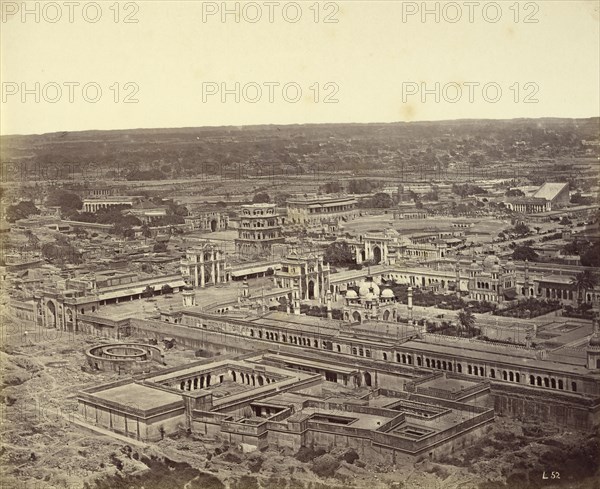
[369, 297]
[490, 261]
[351, 294]
[387, 294]
[366, 286]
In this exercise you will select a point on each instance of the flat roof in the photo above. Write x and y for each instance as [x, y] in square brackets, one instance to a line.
[512, 356]
[309, 363]
[360, 420]
[138, 396]
[449, 385]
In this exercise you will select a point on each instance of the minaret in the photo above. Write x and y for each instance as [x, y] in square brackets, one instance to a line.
[593, 349]
[329, 311]
[526, 280]
[457, 278]
[263, 302]
[296, 302]
[319, 294]
[410, 303]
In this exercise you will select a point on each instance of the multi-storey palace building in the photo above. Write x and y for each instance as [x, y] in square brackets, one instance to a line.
[259, 230]
[318, 210]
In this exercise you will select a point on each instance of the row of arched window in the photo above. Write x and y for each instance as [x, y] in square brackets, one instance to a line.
[476, 370]
[294, 340]
[407, 359]
[250, 379]
[195, 383]
[550, 382]
[202, 381]
[359, 351]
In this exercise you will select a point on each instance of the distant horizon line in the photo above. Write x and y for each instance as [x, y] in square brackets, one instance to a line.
[239, 126]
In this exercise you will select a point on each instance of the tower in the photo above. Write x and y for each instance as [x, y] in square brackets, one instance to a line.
[259, 230]
[296, 302]
[410, 303]
[526, 280]
[593, 349]
[189, 297]
[457, 278]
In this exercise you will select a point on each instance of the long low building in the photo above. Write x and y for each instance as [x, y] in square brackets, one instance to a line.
[558, 384]
[108, 202]
[314, 211]
[272, 400]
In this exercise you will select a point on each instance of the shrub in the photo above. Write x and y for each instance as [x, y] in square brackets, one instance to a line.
[350, 456]
[232, 458]
[306, 454]
[255, 464]
[325, 465]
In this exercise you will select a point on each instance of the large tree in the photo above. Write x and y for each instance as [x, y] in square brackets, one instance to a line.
[590, 257]
[521, 229]
[466, 320]
[261, 198]
[332, 188]
[22, 210]
[584, 281]
[339, 254]
[67, 201]
[148, 292]
[381, 200]
[523, 253]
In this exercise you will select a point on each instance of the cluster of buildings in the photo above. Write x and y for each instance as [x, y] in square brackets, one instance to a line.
[362, 371]
[550, 196]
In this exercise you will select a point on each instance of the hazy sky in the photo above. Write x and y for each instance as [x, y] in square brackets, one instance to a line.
[488, 59]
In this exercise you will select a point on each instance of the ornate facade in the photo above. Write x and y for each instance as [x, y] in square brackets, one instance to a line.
[370, 303]
[492, 281]
[208, 221]
[321, 211]
[204, 265]
[308, 274]
[259, 230]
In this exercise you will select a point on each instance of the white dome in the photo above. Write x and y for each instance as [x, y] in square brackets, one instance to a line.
[489, 261]
[387, 294]
[351, 294]
[365, 287]
[369, 297]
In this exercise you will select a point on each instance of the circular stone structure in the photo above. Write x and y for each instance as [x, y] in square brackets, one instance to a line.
[124, 357]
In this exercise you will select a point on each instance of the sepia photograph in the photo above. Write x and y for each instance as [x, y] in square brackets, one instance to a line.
[312, 244]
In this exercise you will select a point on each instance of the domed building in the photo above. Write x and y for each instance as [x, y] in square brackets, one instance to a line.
[387, 295]
[369, 303]
[492, 281]
[368, 286]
